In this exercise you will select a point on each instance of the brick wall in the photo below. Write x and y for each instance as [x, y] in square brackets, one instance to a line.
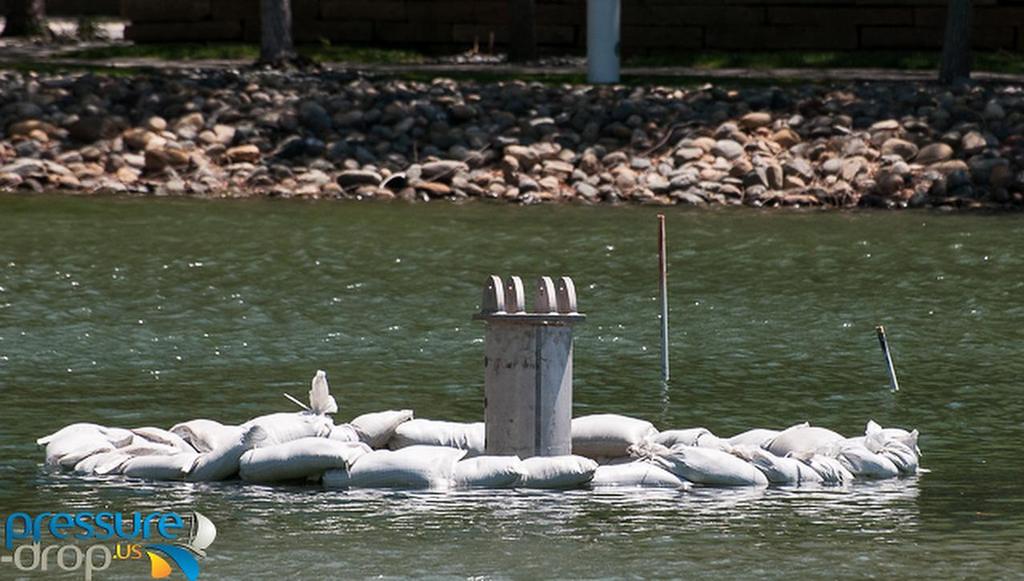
[647, 25]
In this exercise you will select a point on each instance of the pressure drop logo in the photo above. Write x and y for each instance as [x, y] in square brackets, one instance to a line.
[90, 542]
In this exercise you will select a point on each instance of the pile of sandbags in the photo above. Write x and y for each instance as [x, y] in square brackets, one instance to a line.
[392, 449]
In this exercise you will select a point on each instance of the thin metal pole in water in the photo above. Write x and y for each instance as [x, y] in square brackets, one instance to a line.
[894, 385]
[663, 271]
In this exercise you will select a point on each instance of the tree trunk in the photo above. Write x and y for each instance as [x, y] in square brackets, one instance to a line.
[522, 45]
[276, 46]
[956, 46]
[26, 18]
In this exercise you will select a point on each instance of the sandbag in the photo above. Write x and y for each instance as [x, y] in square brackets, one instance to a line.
[117, 437]
[701, 437]
[468, 437]
[711, 467]
[488, 472]
[344, 433]
[162, 436]
[557, 471]
[757, 437]
[903, 458]
[73, 443]
[102, 463]
[298, 459]
[207, 435]
[67, 457]
[638, 473]
[875, 437]
[222, 463]
[801, 439]
[377, 428]
[830, 469]
[777, 469]
[160, 467]
[864, 463]
[409, 467]
[284, 427]
[608, 435]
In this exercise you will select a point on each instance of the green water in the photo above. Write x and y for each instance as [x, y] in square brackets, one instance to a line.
[149, 312]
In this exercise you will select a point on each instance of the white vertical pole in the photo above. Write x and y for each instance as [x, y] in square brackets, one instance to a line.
[894, 385]
[603, 40]
[663, 272]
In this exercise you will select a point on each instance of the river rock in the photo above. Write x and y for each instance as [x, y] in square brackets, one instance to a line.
[972, 142]
[933, 153]
[727, 148]
[443, 170]
[243, 153]
[94, 128]
[900, 147]
[786, 137]
[755, 119]
[357, 177]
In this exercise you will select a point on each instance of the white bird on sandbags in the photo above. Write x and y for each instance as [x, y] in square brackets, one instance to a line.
[320, 399]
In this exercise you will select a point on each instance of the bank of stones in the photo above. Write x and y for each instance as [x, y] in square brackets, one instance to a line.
[341, 135]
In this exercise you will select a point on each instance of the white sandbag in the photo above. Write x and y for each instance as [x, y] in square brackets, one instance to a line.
[802, 439]
[777, 469]
[377, 428]
[875, 437]
[103, 463]
[863, 463]
[759, 437]
[143, 447]
[608, 435]
[410, 467]
[73, 443]
[557, 471]
[68, 451]
[222, 463]
[162, 436]
[206, 435]
[701, 437]
[320, 400]
[488, 472]
[284, 427]
[638, 473]
[160, 467]
[117, 437]
[711, 467]
[344, 433]
[298, 459]
[905, 459]
[468, 437]
[830, 469]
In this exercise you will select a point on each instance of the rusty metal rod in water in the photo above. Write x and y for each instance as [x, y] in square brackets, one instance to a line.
[894, 384]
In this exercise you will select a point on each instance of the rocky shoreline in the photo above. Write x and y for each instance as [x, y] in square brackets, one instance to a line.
[337, 134]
